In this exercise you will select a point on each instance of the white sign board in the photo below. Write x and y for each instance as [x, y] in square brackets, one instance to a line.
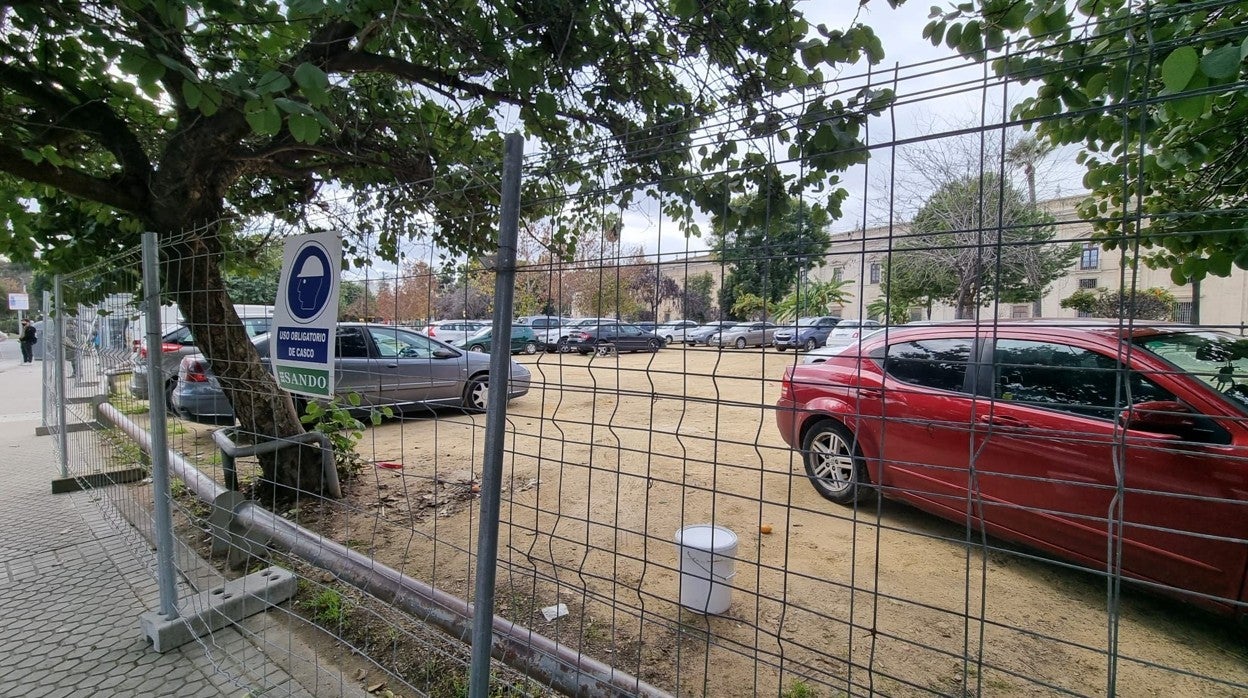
[301, 340]
[19, 301]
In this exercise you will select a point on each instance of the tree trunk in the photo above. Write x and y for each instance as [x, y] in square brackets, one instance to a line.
[193, 274]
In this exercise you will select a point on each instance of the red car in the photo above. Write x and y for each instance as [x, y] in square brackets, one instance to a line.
[1067, 438]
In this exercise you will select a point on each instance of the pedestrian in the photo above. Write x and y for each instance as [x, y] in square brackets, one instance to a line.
[27, 339]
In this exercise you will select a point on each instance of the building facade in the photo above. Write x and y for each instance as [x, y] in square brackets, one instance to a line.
[861, 256]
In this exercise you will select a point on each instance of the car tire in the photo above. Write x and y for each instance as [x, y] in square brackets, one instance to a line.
[477, 347]
[812, 344]
[656, 344]
[530, 348]
[780, 347]
[476, 394]
[562, 347]
[669, 339]
[740, 342]
[170, 386]
[834, 463]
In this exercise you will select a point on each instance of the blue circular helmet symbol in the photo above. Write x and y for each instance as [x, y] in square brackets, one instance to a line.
[309, 285]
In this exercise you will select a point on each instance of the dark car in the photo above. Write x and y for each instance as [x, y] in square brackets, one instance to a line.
[702, 335]
[384, 365]
[617, 336]
[523, 340]
[1077, 439]
[805, 333]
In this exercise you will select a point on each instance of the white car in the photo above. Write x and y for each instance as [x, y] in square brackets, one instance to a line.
[851, 329]
[452, 331]
[836, 345]
[674, 330]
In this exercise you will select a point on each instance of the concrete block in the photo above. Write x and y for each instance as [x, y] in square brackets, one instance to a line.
[219, 607]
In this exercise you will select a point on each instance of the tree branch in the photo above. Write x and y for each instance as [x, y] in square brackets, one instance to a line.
[70, 181]
[91, 117]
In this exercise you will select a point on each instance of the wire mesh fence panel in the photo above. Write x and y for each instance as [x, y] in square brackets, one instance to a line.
[931, 425]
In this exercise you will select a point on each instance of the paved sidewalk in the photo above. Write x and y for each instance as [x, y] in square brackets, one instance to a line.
[74, 581]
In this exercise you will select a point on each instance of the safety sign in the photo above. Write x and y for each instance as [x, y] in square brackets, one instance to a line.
[305, 315]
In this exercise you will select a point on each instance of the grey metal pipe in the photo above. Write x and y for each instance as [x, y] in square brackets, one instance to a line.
[58, 372]
[230, 451]
[496, 419]
[551, 663]
[157, 412]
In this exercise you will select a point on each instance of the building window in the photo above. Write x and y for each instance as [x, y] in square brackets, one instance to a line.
[838, 274]
[916, 314]
[1183, 311]
[1018, 312]
[1084, 313]
[875, 272]
[1091, 257]
[1088, 283]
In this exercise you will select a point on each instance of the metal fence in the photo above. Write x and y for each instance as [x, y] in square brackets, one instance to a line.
[640, 490]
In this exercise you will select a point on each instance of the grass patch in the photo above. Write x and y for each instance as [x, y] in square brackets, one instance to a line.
[328, 608]
[133, 408]
[798, 689]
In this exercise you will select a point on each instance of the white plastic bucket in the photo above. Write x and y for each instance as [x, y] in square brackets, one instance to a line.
[706, 567]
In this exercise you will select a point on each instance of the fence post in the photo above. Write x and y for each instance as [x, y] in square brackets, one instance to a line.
[43, 364]
[496, 421]
[156, 410]
[58, 372]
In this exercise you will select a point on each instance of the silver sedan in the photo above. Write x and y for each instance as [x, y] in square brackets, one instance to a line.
[384, 365]
[746, 334]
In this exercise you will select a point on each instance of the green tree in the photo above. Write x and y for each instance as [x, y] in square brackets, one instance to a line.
[1149, 304]
[1154, 93]
[749, 306]
[766, 260]
[976, 241]
[695, 300]
[191, 118]
[812, 298]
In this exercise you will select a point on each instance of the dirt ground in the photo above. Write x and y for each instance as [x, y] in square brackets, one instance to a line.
[607, 457]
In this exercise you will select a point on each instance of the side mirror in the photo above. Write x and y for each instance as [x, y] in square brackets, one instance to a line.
[444, 354]
[1162, 416]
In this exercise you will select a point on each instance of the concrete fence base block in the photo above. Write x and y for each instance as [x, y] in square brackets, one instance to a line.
[69, 428]
[218, 607]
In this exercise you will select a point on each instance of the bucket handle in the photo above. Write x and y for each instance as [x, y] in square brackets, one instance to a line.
[711, 576]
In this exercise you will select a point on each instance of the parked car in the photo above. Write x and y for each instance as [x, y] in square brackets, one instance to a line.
[180, 343]
[646, 326]
[1070, 427]
[451, 331]
[851, 329]
[556, 338]
[523, 340]
[541, 322]
[674, 330]
[805, 333]
[746, 334]
[617, 335]
[836, 346]
[700, 335]
[385, 365]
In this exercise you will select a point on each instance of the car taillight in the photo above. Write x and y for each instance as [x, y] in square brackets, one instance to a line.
[142, 351]
[430, 332]
[167, 348]
[786, 385]
[583, 336]
[194, 370]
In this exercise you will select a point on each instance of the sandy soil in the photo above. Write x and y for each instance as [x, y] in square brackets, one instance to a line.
[607, 457]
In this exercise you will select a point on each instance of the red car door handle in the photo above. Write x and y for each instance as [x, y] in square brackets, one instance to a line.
[871, 393]
[1002, 421]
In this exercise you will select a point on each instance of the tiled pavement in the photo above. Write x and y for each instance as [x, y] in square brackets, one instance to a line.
[74, 579]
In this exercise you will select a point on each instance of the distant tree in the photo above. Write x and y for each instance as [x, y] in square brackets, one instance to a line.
[1149, 304]
[812, 298]
[651, 288]
[695, 300]
[976, 241]
[750, 307]
[765, 260]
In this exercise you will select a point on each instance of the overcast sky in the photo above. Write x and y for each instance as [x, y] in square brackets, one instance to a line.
[938, 93]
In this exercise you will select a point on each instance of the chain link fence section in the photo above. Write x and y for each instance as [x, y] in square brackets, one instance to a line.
[665, 521]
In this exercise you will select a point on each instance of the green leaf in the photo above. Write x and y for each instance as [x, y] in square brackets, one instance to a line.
[263, 117]
[314, 83]
[210, 101]
[271, 82]
[1243, 50]
[1220, 263]
[1221, 63]
[546, 105]
[305, 129]
[1178, 277]
[354, 399]
[1178, 68]
[685, 8]
[191, 94]
[290, 106]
